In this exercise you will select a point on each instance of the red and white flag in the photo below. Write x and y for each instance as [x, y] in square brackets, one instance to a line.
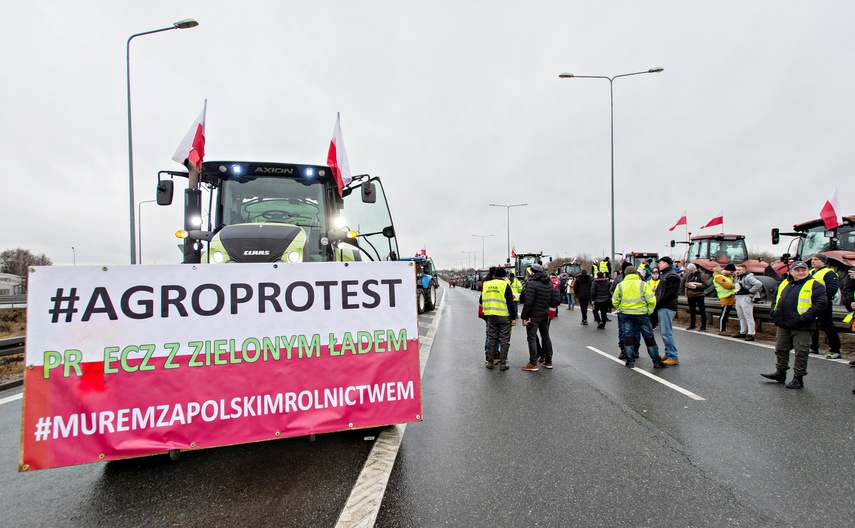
[717, 219]
[829, 211]
[513, 253]
[680, 221]
[337, 157]
[192, 147]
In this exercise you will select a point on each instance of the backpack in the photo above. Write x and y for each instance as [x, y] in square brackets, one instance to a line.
[555, 298]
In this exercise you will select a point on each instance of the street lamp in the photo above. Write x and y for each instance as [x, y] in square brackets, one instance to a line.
[612, 99]
[509, 223]
[139, 220]
[181, 24]
[73, 256]
[482, 247]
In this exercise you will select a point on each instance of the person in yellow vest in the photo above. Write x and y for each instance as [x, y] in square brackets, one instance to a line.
[605, 266]
[635, 301]
[516, 289]
[497, 301]
[798, 302]
[654, 279]
[725, 289]
[828, 278]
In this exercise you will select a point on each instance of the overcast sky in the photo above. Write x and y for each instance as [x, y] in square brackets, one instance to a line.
[455, 105]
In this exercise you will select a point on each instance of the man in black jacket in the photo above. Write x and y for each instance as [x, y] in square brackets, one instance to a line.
[800, 299]
[535, 316]
[583, 294]
[666, 307]
[828, 277]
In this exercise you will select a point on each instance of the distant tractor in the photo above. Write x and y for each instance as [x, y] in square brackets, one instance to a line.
[426, 283]
[637, 257]
[524, 261]
[571, 268]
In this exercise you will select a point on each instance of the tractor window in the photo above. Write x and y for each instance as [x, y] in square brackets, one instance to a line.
[727, 251]
[274, 200]
[814, 242]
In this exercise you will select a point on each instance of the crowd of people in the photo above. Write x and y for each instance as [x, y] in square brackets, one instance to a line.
[646, 298]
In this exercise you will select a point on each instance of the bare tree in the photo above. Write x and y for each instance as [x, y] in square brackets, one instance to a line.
[17, 262]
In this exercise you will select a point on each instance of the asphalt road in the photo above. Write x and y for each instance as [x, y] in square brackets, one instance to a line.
[592, 443]
[589, 443]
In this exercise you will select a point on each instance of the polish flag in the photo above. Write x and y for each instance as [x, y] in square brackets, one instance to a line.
[337, 157]
[192, 147]
[423, 251]
[717, 219]
[680, 221]
[513, 253]
[829, 211]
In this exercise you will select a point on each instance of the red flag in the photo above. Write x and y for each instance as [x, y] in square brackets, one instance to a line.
[192, 147]
[717, 219]
[680, 221]
[337, 157]
[513, 253]
[829, 211]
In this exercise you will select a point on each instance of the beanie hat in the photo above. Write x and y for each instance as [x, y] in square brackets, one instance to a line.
[821, 257]
[500, 272]
[630, 270]
[730, 267]
[625, 264]
[691, 267]
[536, 267]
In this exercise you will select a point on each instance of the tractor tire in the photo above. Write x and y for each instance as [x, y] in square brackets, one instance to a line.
[420, 301]
[430, 300]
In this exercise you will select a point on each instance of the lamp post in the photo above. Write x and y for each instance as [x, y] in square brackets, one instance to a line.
[181, 24]
[509, 223]
[73, 256]
[139, 227]
[612, 102]
[482, 246]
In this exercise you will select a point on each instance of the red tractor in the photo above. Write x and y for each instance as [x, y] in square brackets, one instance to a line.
[810, 238]
[709, 251]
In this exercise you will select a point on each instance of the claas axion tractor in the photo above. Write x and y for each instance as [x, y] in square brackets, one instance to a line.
[280, 212]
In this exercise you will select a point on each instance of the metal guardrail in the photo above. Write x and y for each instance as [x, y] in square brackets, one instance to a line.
[762, 312]
[11, 346]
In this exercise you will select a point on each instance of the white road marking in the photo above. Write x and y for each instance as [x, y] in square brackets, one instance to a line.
[668, 384]
[365, 498]
[761, 344]
[9, 399]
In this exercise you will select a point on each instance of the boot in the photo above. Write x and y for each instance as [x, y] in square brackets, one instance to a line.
[797, 383]
[780, 376]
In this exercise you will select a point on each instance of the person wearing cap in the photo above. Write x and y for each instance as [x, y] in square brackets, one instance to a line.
[666, 307]
[799, 300]
[725, 290]
[535, 317]
[747, 286]
[497, 300]
[828, 278]
[635, 301]
[696, 283]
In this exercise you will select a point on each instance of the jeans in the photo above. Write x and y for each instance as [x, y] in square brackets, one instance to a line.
[571, 300]
[531, 333]
[632, 323]
[666, 317]
[745, 312]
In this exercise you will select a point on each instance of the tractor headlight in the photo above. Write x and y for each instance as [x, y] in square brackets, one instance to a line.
[217, 257]
[293, 256]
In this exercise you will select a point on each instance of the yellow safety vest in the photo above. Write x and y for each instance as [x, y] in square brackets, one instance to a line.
[493, 298]
[516, 288]
[633, 296]
[804, 302]
[654, 283]
[604, 267]
[819, 274]
[720, 290]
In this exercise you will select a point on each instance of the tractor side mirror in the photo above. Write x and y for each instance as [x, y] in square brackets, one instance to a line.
[776, 235]
[369, 193]
[164, 192]
[673, 243]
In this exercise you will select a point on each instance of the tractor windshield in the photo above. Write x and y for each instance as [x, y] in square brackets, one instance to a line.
[274, 200]
[814, 241]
